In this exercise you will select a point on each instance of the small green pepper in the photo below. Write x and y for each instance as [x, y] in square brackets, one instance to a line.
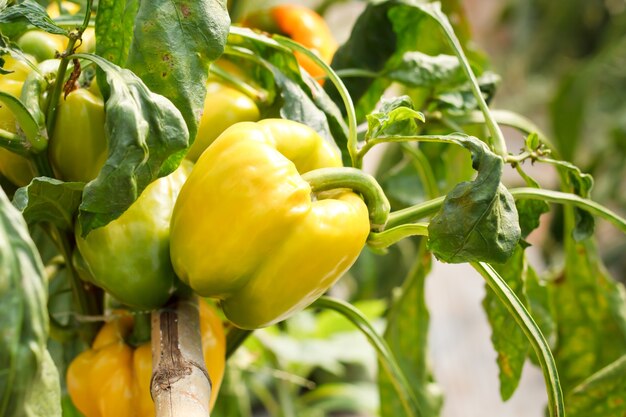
[129, 257]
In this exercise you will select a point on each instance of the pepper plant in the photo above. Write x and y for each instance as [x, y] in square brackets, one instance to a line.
[204, 149]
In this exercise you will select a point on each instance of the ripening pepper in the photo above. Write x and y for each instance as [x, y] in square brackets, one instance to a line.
[78, 147]
[223, 107]
[112, 379]
[248, 230]
[129, 256]
[304, 26]
[14, 167]
[42, 45]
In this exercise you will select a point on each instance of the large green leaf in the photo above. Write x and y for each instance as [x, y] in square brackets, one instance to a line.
[602, 394]
[44, 396]
[530, 211]
[24, 361]
[114, 29]
[591, 313]
[478, 220]
[147, 138]
[407, 336]
[385, 43]
[417, 69]
[174, 42]
[509, 341]
[49, 200]
[371, 44]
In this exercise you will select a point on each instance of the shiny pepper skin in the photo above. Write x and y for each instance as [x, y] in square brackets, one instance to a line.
[304, 26]
[247, 231]
[78, 147]
[112, 379]
[129, 256]
[14, 167]
[223, 107]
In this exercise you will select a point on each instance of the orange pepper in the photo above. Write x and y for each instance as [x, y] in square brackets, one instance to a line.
[112, 379]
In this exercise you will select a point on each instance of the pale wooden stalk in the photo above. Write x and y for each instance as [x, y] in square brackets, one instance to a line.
[180, 384]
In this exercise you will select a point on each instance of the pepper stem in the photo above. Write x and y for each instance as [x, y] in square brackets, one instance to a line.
[141, 328]
[325, 179]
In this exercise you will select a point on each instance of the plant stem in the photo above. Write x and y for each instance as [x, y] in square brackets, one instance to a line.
[235, 338]
[141, 328]
[424, 169]
[87, 297]
[450, 139]
[325, 179]
[507, 118]
[388, 237]
[499, 144]
[532, 332]
[255, 94]
[385, 356]
[42, 164]
[55, 94]
[180, 383]
[570, 199]
[414, 213]
[13, 142]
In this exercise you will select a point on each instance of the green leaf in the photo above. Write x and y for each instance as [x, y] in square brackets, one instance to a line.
[173, 44]
[478, 220]
[296, 105]
[460, 98]
[336, 122]
[147, 139]
[30, 11]
[581, 184]
[382, 44]
[24, 324]
[540, 304]
[602, 394]
[371, 43]
[509, 341]
[36, 135]
[114, 29]
[530, 211]
[44, 396]
[47, 200]
[395, 117]
[407, 336]
[417, 69]
[590, 310]
[532, 142]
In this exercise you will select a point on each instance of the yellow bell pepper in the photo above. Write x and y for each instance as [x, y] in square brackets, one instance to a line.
[112, 379]
[248, 230]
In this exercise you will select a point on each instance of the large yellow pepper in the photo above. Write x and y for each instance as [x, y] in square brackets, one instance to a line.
[248, 229]
[112, 379]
